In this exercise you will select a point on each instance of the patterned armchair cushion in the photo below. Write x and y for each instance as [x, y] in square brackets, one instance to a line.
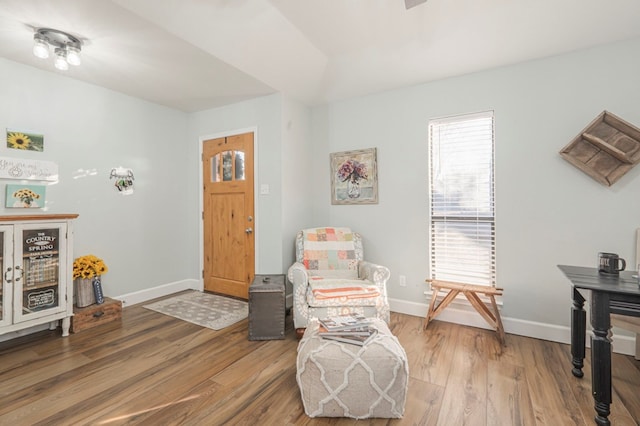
[329, 252]
[338, 292]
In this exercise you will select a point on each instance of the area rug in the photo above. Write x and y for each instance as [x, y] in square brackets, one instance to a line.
[204, 309]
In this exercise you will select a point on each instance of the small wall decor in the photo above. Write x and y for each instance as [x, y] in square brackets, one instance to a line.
[25, 141]
[124, 180]
[15, 168]
[606, 149]
[354, 177]
[25, 196]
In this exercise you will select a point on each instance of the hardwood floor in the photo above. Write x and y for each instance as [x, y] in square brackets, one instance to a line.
[152, 369]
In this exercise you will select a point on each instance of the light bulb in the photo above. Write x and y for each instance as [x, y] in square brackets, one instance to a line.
[61, 60]
[73, 55]
[40, 46]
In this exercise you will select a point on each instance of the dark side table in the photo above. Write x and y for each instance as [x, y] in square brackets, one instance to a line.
[267, 307]
[610, 294]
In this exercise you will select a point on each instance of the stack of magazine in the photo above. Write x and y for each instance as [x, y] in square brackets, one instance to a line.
[354, 329]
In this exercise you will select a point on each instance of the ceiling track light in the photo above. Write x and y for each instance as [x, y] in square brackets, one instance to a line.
[61, 59]
[66, 47]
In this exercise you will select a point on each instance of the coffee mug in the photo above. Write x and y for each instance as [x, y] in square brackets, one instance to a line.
[610, 263]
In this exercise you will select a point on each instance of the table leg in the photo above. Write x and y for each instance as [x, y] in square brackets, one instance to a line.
[601, 356]
[66, 323]
[578, 332]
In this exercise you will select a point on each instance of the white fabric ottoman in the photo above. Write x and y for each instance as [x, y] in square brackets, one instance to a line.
[343, 380]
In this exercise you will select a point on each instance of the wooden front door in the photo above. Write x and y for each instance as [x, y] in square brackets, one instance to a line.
[229, 242]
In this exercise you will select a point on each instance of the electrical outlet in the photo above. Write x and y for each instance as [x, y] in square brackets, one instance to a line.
[402, 281]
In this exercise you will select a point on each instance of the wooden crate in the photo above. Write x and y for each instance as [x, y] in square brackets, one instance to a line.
[93, 315]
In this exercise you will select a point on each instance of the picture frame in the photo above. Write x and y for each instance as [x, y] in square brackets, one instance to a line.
[354, 177]
[25, 196]
[25, 141]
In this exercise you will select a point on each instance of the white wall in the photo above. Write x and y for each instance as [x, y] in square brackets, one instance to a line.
[88, 130]
[548, 212]
[297, 176]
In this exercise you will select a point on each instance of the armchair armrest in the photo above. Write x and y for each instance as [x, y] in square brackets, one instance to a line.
[297, 275]
[377, 274]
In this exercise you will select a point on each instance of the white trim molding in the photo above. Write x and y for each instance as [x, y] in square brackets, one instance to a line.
[457, 314]
[160, 291]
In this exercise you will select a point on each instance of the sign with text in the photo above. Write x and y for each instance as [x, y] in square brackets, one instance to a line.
[40, 256]
[16, 168]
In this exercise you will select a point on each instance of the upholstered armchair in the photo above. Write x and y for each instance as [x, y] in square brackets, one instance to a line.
[330, 277]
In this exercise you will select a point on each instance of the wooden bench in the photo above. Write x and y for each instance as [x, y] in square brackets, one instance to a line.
[471, 292]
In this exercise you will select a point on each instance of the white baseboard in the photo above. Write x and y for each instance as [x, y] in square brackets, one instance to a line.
[155, 292]
[465, 315]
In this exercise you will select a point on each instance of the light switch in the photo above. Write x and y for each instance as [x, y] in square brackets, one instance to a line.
[264, 189]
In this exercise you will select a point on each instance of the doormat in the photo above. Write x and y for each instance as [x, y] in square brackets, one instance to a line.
[204, 309]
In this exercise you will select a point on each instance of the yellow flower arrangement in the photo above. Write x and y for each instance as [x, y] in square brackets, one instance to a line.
[26, 196]
[88, 267]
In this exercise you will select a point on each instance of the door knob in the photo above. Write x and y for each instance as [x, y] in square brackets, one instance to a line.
[248, 230]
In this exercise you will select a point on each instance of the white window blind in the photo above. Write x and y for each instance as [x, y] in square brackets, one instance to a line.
[461, 189]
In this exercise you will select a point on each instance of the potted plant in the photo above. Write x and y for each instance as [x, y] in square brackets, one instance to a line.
[86, 274]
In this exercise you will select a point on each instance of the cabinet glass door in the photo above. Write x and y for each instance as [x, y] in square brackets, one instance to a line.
[40, 271]
[6, 266]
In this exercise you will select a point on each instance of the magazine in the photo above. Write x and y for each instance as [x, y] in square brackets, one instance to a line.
[352, 339]
[364, 330]
[342, 322]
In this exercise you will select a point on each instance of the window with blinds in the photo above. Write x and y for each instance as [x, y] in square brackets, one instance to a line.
[461, 190]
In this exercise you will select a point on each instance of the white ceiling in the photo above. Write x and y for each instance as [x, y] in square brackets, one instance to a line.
[198, 54]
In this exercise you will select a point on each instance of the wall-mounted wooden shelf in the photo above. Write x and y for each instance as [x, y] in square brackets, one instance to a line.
[606, 149]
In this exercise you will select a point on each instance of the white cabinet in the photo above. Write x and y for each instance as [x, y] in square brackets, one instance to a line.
[36, 259]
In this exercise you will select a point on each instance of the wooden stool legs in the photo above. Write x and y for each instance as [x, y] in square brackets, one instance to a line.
[492, 316]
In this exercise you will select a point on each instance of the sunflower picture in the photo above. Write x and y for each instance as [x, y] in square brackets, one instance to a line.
[25, 141]
[25, 196]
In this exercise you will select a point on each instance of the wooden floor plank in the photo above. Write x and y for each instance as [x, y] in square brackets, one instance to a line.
[429, 351]
[424, 400]
[154, 369]
[550, 392]
[465, 397]
[508, 399]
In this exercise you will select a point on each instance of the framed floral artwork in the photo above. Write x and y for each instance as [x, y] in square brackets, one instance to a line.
[25, 141]
[354, 177]
[25, 196]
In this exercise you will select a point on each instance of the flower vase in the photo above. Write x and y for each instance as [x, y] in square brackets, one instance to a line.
[353, 188]
[84, 292]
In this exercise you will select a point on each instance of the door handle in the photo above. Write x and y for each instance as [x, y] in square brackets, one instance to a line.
[16, 277]
[7, 275]
[249, 230]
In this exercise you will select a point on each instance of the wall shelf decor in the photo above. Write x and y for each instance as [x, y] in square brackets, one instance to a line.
[606, 149]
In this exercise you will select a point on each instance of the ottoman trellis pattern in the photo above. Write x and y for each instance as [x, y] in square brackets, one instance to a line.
[343, 380]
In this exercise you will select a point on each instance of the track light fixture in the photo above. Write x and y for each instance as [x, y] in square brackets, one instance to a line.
[66, 47]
